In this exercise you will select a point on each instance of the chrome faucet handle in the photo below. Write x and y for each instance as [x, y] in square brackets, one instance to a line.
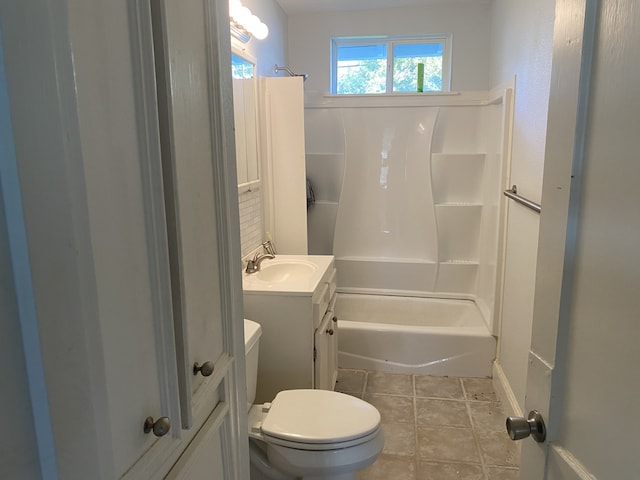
[269, 247]
[253, 266]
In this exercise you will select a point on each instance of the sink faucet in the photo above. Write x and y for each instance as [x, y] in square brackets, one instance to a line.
[253, 266]
[269, 247]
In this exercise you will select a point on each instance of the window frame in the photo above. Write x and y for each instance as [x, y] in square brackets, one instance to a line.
[390, 41]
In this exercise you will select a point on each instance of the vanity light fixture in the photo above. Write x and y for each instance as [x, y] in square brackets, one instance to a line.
[245, 24]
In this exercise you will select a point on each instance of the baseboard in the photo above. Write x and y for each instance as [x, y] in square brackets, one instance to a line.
[504, 392]
[564, 466]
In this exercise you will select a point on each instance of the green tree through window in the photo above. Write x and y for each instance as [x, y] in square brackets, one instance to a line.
[361, 65]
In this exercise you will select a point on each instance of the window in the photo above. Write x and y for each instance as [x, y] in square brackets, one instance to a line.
[362, 65]
[241, 68]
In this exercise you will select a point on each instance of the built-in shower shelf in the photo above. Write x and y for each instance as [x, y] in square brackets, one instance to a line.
[457, 177]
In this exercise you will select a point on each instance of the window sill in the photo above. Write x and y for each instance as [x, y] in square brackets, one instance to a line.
[404, 99]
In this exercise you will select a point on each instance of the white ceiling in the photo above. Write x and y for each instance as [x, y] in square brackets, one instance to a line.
[307, 6]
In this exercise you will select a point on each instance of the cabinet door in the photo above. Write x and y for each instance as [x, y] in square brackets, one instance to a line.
[126, 330]
[189, 152]
[204, 459]
[325, 344]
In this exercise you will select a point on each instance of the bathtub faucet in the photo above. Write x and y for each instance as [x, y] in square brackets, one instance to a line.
[253, 266]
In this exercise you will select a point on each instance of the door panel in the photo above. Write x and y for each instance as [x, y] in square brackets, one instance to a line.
[584, 344]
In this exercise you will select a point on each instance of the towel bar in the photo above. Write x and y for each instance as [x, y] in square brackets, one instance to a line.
[513, 195]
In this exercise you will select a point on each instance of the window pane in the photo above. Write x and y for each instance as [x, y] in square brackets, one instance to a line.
[240, 68]
[361, 69]
[405, 66]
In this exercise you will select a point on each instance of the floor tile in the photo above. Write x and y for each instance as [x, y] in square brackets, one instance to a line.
[399, 439]
[389, 383]
[495, 473]
[436, 428]
[498, 449]
[446, 443]
[449, 471]
[350, 381]
[393, 409]
[479, 389]
[451, 413]
[487, 416]
[439, 387]
[388, 467]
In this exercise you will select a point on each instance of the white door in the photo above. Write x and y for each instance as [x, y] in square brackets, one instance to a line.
[585, 351]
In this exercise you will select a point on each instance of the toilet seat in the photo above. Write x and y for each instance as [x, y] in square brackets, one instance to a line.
[315, 420]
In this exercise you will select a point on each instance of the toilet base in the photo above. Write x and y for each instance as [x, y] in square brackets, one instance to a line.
[261, 470]
[265, 459]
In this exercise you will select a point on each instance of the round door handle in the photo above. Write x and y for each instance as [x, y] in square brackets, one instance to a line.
[335, 319]
[330, 331]
[159, 427]
[519, 428]
[205, 369]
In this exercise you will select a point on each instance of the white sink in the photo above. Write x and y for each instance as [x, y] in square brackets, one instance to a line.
[287, 270]
[295, 274]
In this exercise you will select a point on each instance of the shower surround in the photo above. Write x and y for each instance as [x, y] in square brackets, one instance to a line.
[409, 200]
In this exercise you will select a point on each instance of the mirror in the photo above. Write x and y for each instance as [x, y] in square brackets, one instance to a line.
[245, 110]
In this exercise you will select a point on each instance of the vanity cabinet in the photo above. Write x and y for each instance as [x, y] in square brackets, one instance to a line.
[299, 342]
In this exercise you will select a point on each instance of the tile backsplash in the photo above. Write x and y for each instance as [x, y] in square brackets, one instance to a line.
[251, 221]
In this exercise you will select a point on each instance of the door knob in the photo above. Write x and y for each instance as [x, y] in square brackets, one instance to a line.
[205, 369]
[159, 428]
[519, 428]
[329, 331]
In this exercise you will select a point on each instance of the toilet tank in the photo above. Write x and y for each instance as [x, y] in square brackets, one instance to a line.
[252, 332]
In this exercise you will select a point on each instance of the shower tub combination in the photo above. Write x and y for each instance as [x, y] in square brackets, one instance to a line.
[416, 335]
[416, 228]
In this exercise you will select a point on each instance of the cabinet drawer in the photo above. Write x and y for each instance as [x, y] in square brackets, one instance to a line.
[332, 303]
[320, 305]
[333, 283]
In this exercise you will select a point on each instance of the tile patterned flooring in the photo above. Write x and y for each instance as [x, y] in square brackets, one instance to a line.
[436, 428]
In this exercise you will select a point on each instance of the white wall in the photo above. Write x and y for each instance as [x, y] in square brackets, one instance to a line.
[309, 38]
[521, 45]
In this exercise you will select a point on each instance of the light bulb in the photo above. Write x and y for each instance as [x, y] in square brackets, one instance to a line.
[252, 22]
[243, 15]
[261, 31]
[234, 7]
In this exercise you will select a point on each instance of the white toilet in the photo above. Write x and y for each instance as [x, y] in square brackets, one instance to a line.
[308, 434]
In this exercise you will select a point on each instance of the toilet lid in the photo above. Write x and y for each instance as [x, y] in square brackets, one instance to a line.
[319, 416]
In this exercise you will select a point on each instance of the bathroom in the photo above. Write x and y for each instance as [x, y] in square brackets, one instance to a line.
[89, 279]
[493, 45]
[486, 60]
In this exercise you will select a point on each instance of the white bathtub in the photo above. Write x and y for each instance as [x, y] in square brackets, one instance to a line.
[413, 335]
